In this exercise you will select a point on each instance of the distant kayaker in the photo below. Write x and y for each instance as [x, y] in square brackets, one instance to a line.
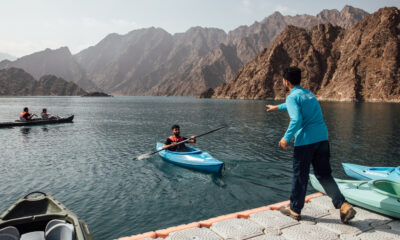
[171, 142]
[311, 146]
[25, 115]
[46, 115]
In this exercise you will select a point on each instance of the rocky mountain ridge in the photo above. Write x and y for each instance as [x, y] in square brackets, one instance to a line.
[153, 62]
[360, 63]
[244, 43]
[17, 82]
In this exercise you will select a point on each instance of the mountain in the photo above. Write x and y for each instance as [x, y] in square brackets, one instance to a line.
[208, 72]
[153, 62]
[133, 63]
[59, 62]
[5, 56]
[244, 43]
[359, 63]
[17, 82]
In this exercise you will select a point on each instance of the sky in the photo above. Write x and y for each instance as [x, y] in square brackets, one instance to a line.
[28, 26]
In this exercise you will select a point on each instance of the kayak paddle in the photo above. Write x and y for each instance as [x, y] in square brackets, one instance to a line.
[143, 156]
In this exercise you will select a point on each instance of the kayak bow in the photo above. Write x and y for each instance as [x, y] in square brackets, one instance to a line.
[42, 217]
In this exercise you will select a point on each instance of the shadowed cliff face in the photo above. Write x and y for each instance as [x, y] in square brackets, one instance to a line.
[360, 63]
[17, 82]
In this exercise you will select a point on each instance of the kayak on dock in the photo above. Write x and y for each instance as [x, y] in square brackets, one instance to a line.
[194, 158]
[380, 195]
[39, 121]
[40, 216]
[371, 173]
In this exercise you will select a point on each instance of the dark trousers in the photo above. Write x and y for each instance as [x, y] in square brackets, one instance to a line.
[318, 155]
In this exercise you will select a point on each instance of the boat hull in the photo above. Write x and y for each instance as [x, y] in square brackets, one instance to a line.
[37, 122]
[371, 173]
[372, 195]
[32, 214]
[194, 159]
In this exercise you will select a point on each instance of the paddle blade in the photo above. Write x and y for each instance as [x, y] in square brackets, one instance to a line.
[143, 156]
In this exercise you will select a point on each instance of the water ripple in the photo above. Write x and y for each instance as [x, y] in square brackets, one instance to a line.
[89, 165]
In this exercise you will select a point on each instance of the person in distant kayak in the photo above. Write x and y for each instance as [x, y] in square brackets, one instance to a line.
[25, 115]
[46, 115]
[171, 142]
[311, 146]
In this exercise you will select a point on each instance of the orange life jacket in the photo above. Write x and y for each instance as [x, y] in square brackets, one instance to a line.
[22, 114]
[175, 139]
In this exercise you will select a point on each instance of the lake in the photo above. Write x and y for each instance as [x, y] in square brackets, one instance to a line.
[89, 165]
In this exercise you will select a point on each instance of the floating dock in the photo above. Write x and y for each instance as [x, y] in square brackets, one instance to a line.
[320, 220]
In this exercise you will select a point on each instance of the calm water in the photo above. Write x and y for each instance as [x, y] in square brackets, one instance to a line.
[88, 165]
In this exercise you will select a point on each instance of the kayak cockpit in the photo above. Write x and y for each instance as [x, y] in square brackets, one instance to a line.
[41, 218]
[386, 187]
[190, 150]
[380, 171]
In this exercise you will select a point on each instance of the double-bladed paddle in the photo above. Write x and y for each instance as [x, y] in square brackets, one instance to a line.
[143, 156]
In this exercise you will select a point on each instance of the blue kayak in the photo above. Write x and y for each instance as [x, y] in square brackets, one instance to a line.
[371, 173]
[194, 158]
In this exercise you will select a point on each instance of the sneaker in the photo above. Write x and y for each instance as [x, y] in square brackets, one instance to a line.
[288, 212]
[346, 212]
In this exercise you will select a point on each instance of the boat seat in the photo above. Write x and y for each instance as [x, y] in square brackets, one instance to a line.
[60, 231]
[37, 235]
[9, 233]
[52, 223]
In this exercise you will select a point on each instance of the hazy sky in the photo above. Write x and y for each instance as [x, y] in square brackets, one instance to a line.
[28, 26]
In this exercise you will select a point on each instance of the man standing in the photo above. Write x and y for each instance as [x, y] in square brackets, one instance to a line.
[311, 146]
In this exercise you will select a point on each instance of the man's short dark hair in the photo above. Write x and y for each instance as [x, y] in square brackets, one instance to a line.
[175, 126]
[25, 109]
[293, 75]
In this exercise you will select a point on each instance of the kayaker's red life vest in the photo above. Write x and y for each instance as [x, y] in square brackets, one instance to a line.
[175, 139]
[22, 114]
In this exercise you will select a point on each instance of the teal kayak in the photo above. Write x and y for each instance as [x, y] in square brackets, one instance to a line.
[382, 196]
[194, 158]
[371, 173]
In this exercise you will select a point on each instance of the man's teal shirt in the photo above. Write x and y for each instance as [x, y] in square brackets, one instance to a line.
[306, 121]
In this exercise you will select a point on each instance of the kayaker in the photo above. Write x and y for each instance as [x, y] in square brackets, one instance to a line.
[46, 115]
[25, 115]
[171, 142]
[311, 146]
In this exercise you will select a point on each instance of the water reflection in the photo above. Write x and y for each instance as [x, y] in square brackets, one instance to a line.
[25, 131]
[362, 132]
